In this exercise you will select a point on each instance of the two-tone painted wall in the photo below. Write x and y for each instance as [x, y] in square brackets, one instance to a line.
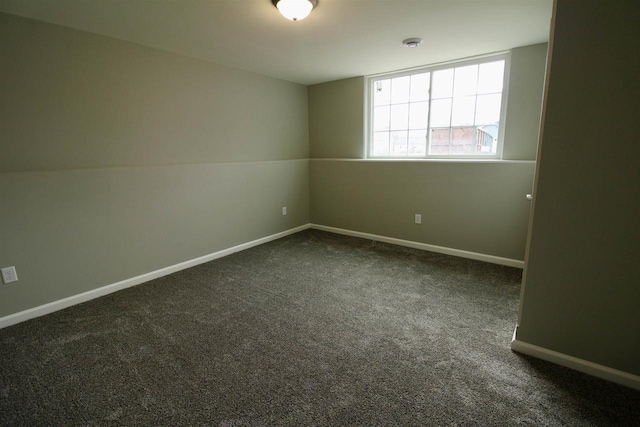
[117, 160]
[473, 206]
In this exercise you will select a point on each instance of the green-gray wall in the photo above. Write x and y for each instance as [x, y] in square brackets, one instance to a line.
[476, 207]
[471, 206]
[117, 160]
[581, 283]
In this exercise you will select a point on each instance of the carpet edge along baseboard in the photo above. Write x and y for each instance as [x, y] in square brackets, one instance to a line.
[509, 262]
[61, 304]
[590, 368]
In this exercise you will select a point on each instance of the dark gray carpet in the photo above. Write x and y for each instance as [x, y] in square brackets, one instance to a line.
[312, 329]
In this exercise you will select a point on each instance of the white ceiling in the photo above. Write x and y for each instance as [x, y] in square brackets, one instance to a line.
[341, 38]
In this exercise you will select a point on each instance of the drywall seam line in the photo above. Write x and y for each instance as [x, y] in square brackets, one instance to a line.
[157, 166]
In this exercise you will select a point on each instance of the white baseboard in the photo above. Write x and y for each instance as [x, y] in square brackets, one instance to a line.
[51, 307]
[31, 313]
[425, 247]
[589, 368]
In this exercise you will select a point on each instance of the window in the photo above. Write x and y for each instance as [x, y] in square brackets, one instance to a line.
[446, 111]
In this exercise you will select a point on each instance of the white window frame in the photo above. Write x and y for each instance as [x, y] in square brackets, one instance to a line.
[369, 90]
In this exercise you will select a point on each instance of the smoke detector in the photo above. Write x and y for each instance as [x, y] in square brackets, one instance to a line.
[412, 42]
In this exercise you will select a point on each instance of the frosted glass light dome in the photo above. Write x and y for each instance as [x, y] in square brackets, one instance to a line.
[295, 10]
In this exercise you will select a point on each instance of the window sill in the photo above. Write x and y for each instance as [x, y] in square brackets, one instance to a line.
[389, 160]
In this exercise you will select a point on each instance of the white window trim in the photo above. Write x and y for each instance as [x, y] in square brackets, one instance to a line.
[368, 107]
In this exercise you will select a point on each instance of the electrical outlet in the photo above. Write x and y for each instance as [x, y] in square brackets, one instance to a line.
[9, 275]
[418, 219]
[284, 210]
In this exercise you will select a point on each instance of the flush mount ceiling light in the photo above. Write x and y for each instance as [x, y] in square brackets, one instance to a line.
[295, 10]
[412, 42]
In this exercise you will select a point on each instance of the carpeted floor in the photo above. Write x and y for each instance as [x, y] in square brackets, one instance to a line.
[312, 329]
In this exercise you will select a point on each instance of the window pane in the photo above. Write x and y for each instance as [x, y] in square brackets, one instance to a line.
[490, 77]
[381, 118]
[418, 142]
[400, 89]
[399, 116]
[382, 92]
[439, 141]
[463, 140]
[465, 81]
[420, 87]
[442, 84]
[441, 113]
[399, 143]
[487, 139]
[418, 115]
[463, 111]
[488, 109]
[380, 144]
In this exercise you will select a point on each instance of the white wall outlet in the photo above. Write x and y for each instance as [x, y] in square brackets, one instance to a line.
[418, 219]
[9, 275]
[284, 210]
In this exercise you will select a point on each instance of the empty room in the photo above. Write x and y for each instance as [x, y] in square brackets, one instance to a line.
[319, 212]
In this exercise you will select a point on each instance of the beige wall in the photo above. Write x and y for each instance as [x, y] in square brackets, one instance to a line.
[526, 82]
[336, 119]
[471, 206]
[117, 159]
[477, 207]
[581, 285]
[336, 111]
[74, 100]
